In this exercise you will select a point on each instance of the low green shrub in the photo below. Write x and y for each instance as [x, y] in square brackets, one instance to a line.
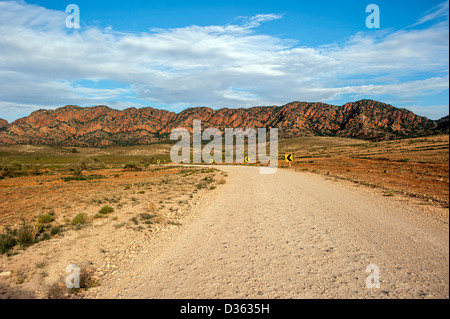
[79, 219]
[45, 219]
[106, 210]
[55, 230]
[82, 178]
[26, 235]
[132, 165]
[12, 169]
[7, 241]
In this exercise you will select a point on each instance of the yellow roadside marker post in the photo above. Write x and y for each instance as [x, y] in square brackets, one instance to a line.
[289, 158]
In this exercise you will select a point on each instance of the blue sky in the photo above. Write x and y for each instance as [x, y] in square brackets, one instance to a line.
[309, 22]
[178, 54]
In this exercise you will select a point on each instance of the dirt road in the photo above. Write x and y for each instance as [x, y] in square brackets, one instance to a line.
[295, 235]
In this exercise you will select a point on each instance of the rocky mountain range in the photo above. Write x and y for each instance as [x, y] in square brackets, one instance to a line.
[99, 126]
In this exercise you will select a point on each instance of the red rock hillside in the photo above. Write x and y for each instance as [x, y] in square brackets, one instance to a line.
[102, 126]
[3, 123]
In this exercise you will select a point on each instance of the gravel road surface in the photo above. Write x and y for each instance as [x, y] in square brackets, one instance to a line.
[295, 235]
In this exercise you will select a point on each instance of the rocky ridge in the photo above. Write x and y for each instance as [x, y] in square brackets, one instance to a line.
[100, 126]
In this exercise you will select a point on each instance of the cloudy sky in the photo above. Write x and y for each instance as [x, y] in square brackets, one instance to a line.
[233, 53]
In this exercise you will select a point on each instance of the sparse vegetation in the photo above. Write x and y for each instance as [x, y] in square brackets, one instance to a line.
[7, 241]
[26, 235]
[389, 193]
[135, 220]
[166, 188]
[44, 227]
[45, 219]
[87, 279]
[15, 169]
[106, 210]
[416, 167]
[83, 178]
[86, 164]
[133, 165]
[79, 219]
[201, 185]
[21, 276]
[55, 230]
[146, 216]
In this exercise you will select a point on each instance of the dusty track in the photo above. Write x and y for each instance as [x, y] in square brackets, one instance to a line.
[295, 235]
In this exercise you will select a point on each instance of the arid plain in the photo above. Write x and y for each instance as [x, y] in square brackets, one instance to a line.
[53, 203]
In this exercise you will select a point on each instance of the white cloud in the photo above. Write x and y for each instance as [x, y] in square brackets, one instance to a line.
[253, 22]
[434, 112]
[437, 12]
[42, 63]
[404, 89]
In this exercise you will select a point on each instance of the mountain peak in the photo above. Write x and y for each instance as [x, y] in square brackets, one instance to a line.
[3, 123]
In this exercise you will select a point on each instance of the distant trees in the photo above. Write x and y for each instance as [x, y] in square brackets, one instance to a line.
[86, 164]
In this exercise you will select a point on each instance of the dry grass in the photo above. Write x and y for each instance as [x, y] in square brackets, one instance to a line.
[417, 167]
[51, 217]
